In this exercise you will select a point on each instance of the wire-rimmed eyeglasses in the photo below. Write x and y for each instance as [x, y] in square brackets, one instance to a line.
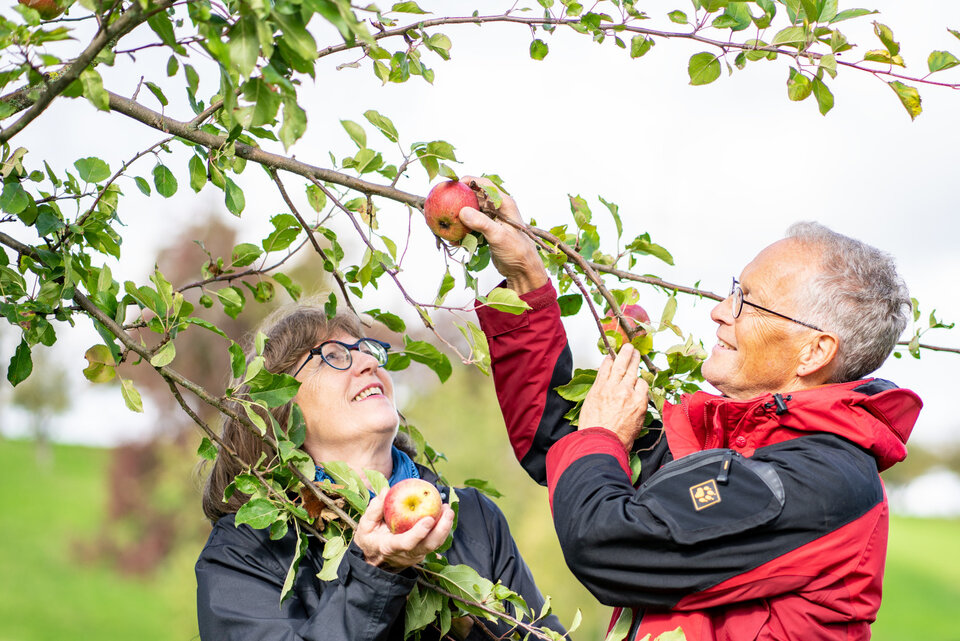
[337, 354]
[737, 300]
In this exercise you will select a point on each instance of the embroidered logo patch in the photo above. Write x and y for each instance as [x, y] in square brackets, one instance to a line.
[705, 494]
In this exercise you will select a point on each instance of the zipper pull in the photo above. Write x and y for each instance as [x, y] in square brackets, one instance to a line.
[725, 468]
[781, 404]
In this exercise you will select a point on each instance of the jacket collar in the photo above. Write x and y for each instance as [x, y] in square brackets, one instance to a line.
[874, 413]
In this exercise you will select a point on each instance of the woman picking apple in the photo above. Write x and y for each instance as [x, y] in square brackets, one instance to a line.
[347, 400]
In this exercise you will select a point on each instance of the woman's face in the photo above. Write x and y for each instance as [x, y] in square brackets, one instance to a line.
[346, 406]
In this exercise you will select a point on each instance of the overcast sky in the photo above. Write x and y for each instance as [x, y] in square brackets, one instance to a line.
[713, 173]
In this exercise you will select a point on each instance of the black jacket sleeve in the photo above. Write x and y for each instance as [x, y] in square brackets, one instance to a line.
[240, 574]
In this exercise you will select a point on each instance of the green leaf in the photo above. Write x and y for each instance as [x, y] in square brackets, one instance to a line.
[101, 368]
[21, 364]
[909, 96]
[407, 7]
[14, 198]
[233, 197]
[798, 85]
[157, 93]
[238, 360]
[570, 304]
[207, 449]
[678, 16]
[640, 45]
[282, 388]
[539, 49]
[794, 36]
[940, 60]
[92, 170]
[287, 283]
[164, 181]
[356, 133]
[847, 14]
[884, 56]
[576, 390]
[264, 103]
[378, 482]
[131, 396]
[244, 44]
[142, 185]
[886, 37]
[198, 173]
[258, 513]
[427, 354]
[829, 64]
[244, 254]
[621, 627]
[294, 122]
[703, 68]
[382, 123]
[295, 35]
[483, 486]
[93, 89]
[643, 245]
[164, 355]
[421, 609]
[823, 95]
[316, 198]
[506, 300]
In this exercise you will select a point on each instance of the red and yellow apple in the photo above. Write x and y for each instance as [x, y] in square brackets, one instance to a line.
[632, 314]
[48, 9]
[409, 501]
[442, 209]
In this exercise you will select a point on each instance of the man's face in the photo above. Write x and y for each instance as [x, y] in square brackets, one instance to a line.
[758, 353]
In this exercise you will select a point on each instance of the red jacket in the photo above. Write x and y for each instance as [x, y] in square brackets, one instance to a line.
[749, 523]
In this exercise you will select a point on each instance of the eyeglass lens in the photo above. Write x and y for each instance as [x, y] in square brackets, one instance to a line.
[337, 355]
[736, 298]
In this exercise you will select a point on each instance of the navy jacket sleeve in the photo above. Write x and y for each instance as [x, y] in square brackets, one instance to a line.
[240, 576]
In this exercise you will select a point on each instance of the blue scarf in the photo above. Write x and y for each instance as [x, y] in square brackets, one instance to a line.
[403, 468]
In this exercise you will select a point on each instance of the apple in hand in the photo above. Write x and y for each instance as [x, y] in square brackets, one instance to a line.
[632, 314]
[409, 501]
[442, 209]
[48, 9]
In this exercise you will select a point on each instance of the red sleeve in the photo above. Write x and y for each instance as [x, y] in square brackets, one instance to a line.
[530, 357]
[591, 440]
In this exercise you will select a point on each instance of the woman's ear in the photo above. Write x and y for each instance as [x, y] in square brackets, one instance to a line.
[817, 360]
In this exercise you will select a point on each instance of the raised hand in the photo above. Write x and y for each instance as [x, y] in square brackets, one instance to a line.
[618, 398]
[513, 252]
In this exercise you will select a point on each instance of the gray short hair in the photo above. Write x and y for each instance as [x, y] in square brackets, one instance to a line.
[857, 295]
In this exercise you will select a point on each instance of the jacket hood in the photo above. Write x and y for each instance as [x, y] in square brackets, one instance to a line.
[873, 413]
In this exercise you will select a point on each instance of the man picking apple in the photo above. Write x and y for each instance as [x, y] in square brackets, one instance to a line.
[761, 514]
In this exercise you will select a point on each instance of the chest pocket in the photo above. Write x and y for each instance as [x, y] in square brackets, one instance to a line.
[711, 494]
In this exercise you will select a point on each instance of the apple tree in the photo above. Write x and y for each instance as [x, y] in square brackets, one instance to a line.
[62, 227]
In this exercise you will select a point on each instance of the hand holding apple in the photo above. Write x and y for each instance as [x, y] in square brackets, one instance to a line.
[409, 501]
[396, 552]
[513, 252]
[618, 398]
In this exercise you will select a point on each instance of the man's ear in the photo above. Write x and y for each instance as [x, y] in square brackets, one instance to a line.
[817, 360]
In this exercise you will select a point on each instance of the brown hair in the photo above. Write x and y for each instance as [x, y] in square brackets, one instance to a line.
[291, 332]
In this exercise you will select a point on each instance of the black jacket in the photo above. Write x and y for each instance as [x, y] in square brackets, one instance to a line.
[240, 574]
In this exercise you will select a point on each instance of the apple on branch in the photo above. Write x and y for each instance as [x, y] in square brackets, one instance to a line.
[442, 209]
[48, 9]
[409, 501]
[633, 314]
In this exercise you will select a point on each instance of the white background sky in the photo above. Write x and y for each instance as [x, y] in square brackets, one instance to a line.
[713, 173]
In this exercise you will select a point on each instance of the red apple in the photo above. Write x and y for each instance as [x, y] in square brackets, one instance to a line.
[632, 314]
[442, 209]
[48, 9]
[409, 501]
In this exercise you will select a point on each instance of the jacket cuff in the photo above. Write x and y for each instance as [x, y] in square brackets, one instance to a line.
[494, 322]
[576, 445]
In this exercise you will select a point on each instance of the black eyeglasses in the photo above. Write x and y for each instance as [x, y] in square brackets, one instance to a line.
[337, 354]
[736, 294]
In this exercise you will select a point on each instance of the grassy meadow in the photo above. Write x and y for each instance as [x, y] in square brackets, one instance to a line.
[51, 590]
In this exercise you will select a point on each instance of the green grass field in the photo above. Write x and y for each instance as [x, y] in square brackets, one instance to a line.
[48, 593]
